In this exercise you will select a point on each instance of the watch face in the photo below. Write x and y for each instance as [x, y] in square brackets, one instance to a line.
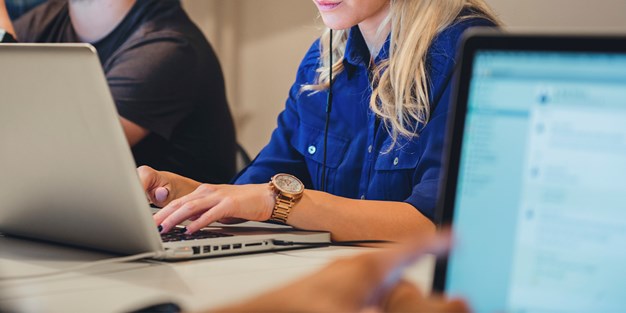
[288, 183]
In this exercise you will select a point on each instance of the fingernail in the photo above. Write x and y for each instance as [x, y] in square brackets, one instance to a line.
[160, 228]
[440, 246]
[161, 194]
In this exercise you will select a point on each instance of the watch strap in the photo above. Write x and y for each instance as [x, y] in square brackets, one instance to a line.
[283, 203]
[282, 208]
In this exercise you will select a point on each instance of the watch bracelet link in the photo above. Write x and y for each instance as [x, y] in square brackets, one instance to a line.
[282, 208]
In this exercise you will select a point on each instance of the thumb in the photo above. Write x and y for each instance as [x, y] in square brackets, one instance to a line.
[160, 195]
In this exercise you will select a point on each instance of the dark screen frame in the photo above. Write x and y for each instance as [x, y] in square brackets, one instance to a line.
[476, 40]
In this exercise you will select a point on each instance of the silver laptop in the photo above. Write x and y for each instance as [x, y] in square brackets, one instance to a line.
[67, 174]
[535, 186]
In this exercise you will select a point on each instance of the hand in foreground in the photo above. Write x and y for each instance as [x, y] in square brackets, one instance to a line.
[163, 187]
[212, 203]
[365, 283]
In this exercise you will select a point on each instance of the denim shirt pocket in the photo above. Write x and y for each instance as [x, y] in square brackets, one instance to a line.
[311, 145]
[395, 170]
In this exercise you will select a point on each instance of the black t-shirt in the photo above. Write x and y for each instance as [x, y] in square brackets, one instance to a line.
[165, 77]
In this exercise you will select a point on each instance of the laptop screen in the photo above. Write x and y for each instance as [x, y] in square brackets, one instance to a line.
[540, 208]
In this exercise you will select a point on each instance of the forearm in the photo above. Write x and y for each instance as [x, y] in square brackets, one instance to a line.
[5, 21]
[344, 218]
[134, 133]
[349, 219]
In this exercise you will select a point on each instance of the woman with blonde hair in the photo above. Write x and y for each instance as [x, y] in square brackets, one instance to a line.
[357, 150]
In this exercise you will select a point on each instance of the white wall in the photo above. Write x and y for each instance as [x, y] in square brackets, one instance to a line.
[594, 15]
[260, 44]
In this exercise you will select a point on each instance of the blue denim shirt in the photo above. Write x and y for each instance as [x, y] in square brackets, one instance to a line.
[358, 163]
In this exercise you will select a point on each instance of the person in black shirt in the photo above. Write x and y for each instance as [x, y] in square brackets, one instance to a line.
[163, 74]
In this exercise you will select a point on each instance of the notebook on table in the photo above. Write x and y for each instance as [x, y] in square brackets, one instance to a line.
[535, 186]
[67, 172]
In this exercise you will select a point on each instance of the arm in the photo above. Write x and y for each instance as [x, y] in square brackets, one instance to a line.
[349, 219]
[5, 21]
[346, 219]
[151, 83]
[134, 133]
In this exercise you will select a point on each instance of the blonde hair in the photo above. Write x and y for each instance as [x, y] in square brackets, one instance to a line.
[400, 95]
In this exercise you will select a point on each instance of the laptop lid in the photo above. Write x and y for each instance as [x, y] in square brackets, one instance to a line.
[68, 175]
[534, 186]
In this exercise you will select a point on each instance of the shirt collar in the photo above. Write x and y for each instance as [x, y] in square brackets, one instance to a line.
[357, 52]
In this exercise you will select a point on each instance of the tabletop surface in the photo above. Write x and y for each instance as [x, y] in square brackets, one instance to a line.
[122, 287]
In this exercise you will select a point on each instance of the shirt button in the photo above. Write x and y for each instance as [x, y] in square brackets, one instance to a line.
[369, 149]
[312, 149]
[396, 161]
[363, 197]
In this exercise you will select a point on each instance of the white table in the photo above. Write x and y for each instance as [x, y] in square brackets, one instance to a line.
[194, 285]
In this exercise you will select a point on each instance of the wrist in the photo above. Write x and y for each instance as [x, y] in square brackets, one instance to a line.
[287, 190]
[269, 201]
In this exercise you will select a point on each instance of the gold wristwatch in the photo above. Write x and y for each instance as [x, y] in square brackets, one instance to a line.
[288, 190]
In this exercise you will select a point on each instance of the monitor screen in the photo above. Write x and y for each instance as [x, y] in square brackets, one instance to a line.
[540, 211]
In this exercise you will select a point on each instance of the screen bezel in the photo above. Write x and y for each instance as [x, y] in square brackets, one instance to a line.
[474, 41]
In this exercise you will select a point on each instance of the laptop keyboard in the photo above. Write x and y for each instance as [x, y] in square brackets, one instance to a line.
[178, 234]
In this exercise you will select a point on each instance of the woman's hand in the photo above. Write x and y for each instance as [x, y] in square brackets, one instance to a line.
[212, 203]
[163, 187]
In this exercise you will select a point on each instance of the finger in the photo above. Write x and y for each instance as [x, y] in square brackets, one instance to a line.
[146, 174]
[195, 217]
[457, 305]
[148, 177]
[219, 211]
[385, 269]
[441, 305]
[160, 195]
[173, 206]
[189, 209]
[167, 211]
[394, 260]
[157, 188]
[404, 297]
[437, 244]
[231, 220]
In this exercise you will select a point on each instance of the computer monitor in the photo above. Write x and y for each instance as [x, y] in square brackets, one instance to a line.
[535, 187]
